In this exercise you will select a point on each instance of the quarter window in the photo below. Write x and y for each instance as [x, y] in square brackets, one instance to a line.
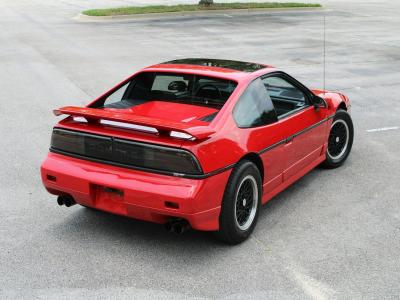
[117, 96]
[254, 108]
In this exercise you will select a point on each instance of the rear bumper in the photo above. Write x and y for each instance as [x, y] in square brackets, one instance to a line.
[136, 194]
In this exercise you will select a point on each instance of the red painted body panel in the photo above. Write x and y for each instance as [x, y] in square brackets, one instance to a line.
[175, 112]
[144, 194]
[219, 144]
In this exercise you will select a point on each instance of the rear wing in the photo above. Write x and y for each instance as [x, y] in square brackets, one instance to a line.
[174, 129]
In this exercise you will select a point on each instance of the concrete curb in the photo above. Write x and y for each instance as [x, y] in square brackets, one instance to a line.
[84, 18]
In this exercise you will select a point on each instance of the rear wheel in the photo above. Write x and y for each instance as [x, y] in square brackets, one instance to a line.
[340, 140]
[241, 203]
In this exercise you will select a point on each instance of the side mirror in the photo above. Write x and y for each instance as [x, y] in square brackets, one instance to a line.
[318, 102]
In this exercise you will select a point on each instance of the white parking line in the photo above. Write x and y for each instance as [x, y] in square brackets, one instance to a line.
[383, 129]
[314, 288]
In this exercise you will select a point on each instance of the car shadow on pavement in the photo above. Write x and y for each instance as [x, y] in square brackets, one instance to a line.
[101, 227]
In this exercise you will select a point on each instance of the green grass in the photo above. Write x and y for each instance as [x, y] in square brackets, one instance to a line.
[133, 10]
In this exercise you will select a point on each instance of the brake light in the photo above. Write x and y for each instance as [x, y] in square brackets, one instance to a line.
[124, 152]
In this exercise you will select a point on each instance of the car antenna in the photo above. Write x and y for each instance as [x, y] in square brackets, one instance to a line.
[324, 62]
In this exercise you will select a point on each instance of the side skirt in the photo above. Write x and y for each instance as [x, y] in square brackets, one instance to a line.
[269, 195]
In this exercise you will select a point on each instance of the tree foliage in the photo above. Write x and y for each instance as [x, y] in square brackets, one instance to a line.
[206, 2]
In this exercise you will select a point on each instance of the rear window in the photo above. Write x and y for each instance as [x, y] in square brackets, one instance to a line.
[188, 89]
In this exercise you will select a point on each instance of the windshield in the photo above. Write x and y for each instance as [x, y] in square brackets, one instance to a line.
[171, 87]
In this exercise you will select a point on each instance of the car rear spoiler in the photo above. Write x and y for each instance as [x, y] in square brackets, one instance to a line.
[90, 114]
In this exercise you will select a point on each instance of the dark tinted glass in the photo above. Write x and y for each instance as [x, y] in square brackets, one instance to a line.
[254, 108]
[82, 144]
[129, 153]
[285, 96]
[154, 157]
[182, 88]
[278, 87]
[221, 63]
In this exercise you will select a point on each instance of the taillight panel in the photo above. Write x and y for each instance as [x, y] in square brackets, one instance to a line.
[133, 154]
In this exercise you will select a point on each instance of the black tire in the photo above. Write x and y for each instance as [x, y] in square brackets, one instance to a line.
[336, 153]
[244, 176]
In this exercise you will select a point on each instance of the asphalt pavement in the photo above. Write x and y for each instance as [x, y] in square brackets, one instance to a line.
[335, 234]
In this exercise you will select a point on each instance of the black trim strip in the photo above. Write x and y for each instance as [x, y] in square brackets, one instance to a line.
[218, 171]
[288, 139]
[272, 146]
[309, 128]
[189, 176]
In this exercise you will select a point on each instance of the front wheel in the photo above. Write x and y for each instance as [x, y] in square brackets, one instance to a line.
[241, 203]
[340, 140]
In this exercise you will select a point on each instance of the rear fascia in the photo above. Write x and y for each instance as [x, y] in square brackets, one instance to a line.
[116, 151]
[143, 195]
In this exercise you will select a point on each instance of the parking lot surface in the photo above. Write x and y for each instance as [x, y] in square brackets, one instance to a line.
[335, 234]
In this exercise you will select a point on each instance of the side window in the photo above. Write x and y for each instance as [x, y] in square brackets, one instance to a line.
[284, 95]
[170, 87]
[254, 108]
[170, 83]
[134, 92]
[117, 96]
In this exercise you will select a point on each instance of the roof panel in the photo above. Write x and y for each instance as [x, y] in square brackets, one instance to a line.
[240, 66]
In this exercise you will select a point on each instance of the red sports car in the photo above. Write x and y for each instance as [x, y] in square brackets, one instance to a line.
[196, 142]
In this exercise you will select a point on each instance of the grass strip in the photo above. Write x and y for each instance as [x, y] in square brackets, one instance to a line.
[133, 10]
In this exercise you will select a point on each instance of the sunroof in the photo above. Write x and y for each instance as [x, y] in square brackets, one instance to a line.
[221, 63]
